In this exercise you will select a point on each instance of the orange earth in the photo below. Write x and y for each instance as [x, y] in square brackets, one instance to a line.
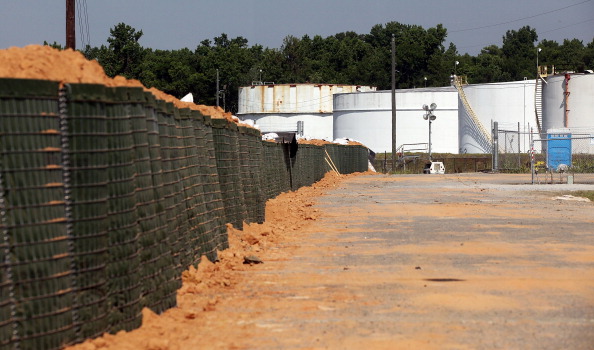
[204, 287]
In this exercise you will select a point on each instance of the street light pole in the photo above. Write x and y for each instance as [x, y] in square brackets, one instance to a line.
[430, 117]
[429, 139]
[393, 103]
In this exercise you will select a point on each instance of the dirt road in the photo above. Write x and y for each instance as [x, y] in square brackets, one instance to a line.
[405, 262]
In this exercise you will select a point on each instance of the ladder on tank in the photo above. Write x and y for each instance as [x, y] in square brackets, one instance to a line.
[538, 101]
[458, 84]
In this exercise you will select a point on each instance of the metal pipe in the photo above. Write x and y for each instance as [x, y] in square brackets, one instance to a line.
[566, 97]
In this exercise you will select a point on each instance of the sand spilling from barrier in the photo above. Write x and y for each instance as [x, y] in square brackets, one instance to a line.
[286, 215]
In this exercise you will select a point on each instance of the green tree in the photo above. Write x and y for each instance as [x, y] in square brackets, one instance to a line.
[571, 56]
[589, 55]
[124, 54]
[487, 66]
[519, 53]
[55, 45]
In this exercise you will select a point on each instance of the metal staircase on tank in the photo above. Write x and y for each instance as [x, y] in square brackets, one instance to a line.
[458, 82]
[541, 74]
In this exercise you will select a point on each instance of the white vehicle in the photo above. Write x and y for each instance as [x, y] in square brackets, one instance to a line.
[434, 168]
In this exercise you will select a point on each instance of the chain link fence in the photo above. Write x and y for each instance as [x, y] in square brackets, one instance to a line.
[514, 147]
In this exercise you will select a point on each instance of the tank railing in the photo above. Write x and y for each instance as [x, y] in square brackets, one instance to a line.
[458, 81]
[403, 148]
[410, 147]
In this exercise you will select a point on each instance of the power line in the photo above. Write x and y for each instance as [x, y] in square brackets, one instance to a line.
[520, 19]
[571, 25]
[83, 22]
[544, 32]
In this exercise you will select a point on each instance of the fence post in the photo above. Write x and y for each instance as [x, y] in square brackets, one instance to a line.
[519, 152]
[495, 146]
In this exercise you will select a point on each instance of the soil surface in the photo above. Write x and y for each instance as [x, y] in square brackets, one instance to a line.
[477, 261]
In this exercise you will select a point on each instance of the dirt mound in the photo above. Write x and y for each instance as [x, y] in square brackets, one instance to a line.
[69, 66]
[213, 112]
[314, 142]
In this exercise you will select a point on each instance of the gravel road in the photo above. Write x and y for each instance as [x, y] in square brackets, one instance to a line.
[477, 261]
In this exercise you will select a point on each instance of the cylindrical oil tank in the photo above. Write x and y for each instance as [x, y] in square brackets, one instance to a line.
[580, 101]
[302, 108]
[511, 104]
[367, 118]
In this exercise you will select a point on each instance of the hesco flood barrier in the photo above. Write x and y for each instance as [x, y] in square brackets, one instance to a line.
[108, 194]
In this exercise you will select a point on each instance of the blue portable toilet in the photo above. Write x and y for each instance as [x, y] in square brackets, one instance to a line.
[558, 150]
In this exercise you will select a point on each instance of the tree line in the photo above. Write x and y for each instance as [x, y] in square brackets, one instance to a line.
[422, 59]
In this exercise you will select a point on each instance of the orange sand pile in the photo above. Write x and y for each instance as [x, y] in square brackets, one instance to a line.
[47, 63]
[69, 66]
[213, 112]
[315, 142]
[323, 142]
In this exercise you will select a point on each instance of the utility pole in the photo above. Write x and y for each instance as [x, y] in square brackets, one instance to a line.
[393, 103]
[70, 25]
[218, 90]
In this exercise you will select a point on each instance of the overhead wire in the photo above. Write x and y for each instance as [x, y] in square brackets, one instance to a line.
[571, 25]
[519, 19]
[83, 23]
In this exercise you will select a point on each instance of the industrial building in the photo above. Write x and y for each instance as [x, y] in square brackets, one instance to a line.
[465, 113]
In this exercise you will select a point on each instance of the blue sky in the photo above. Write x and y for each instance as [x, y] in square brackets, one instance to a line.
[175, 24]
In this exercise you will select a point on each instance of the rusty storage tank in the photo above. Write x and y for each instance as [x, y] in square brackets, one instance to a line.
[302, 108]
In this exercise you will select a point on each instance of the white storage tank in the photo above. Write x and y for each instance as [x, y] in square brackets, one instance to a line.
[511, 104]
[367, 118]
[572, 114]
[580, 101]
[302, 108]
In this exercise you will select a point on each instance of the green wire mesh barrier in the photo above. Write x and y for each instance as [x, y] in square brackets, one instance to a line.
[123, 268]
[250, 174]
[159, 273]
[275, 177]
[194, 188]
[255, 153]
[226, 147]
[171, 189]
[212, 219]
[85, 130]
[216, 204]
[36, 309]
[108, 194]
